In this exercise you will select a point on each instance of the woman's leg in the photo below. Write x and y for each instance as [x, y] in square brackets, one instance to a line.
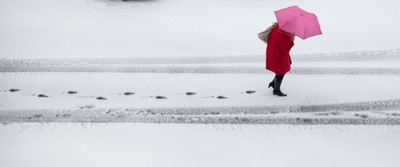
[277, 85]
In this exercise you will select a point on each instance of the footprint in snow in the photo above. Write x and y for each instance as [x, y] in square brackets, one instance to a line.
[87, 107]
[37, 115]
[221, 97]
[129, 93]
[13, 90]
[66, 115]
[250, 91]
[395, 114]
[101, 98]
[42, 95]
[160, 97]
[365, 116]
[304, 120]
[72, 92]
[327, 114]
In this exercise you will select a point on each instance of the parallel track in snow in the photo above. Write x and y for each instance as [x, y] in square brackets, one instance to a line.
[357, 63]
[383, 112]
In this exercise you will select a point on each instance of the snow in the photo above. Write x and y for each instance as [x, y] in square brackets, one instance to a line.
[337, 88]
[314, 89]
[165, 28]
[384, 62]
[168, 48]
[151, 145]
[196, 84]
[364, 94]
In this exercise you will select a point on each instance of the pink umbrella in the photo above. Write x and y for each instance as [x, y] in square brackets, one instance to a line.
[298, 22]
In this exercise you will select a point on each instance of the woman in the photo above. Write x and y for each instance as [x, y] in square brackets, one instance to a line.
[278, 58]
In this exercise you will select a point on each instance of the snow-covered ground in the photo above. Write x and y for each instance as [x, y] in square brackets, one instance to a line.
[182, 145]
[334, 90]
[224, 98]
[361, 62]
[182, 83]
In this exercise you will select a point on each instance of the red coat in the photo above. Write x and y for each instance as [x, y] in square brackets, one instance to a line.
[278, 48]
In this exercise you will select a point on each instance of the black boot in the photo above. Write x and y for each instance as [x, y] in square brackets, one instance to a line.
[272, 84]
[277, 90]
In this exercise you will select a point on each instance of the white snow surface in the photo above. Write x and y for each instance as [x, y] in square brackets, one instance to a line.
[165, 28]
[322, 88]
[361, 62]
[182, 145]
[168, 48]
[310, 96]
[79, 78]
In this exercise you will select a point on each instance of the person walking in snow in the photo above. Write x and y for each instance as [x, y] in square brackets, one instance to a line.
[279, 37]
[278, 56]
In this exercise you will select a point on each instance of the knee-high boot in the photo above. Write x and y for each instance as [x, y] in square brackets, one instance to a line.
[277, 89]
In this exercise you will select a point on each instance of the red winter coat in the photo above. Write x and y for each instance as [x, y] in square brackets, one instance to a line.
[278, 48]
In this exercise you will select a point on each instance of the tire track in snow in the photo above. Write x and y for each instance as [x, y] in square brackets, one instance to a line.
[206, 64]
[383, 105]
[198, 69]
[380, 55]
[297, 114]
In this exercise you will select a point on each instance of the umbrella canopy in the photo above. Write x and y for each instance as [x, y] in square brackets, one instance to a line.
[298, 22]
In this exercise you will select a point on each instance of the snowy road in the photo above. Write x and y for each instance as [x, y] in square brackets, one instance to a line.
[177, 145]
[180, 83]
[198, 98]
[384, 62]
[337, 88]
